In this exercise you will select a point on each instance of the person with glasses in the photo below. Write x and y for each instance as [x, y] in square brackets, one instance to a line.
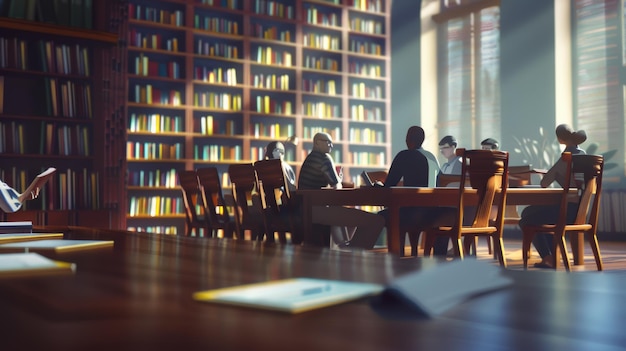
[447, 147]
[349, 227]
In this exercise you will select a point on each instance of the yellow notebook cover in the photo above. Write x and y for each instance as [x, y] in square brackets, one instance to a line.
[31, 264]
[9, 238]
[55, 245]
[290, 295]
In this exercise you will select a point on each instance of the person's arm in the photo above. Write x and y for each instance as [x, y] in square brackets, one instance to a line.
[10, 199]
[395, 172]
[329, 171]
[552, 173]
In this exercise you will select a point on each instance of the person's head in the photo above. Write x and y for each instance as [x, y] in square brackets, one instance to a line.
[490, 144]
[414, 137]
[567, 136]
[274, 149]
[322, 142]
[447, 146]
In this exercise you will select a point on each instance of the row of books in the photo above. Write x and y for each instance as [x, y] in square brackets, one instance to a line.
[366, 91]
[218, 152]
[321, 41]
[366, 69]
[274, 8]
[370, 26]
[272, 32]
[272, 130]
[268, 104]
[144, 66]
[216, 74]
[167, 178]
[154, 41]
[229, 4]
[158, 229]
[75, 13]
[44, 56]
[271, 81]
[321, 109]
[376, 6]
[325, 86]
[155, 206]
[54, 139]
[271, 56]
[214, 126]
[366, 47]
[313, 16]
[153, 14]
[206, 47]
[321, 63]
[222, 101]
[367, 158]
[216, 24]
[359, 112]
[308, 132]
[154, 151]
[147, 94]
[366, 135]
[155, 123]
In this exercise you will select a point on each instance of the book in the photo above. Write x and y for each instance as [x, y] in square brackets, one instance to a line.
[40, 180]
[290, 295]
[55, 245]
[13, 227]
[31, 264]
[17, 237]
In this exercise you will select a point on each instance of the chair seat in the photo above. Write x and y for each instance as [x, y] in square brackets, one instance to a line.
[471, 230]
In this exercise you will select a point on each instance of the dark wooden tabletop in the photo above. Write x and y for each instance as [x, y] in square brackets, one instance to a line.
[138, 296]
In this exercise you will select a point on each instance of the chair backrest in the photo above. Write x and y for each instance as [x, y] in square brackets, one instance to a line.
[192, 198]
[487, 172]
[275, 194]
[245, 188]
[213, 196]
[587, 172]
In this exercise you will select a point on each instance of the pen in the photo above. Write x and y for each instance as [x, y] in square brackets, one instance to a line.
[315, 290]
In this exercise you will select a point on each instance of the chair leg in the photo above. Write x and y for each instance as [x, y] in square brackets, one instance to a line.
[429, 241]
[414, 236]
[527, 239]
[563, 247]
[458, 244]
[593, 242]
[498, 250]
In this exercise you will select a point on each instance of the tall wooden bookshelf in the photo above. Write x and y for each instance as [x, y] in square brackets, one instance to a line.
[211, 82]
[52, 108]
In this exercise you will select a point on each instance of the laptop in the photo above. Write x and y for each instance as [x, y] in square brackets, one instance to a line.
[367, 181]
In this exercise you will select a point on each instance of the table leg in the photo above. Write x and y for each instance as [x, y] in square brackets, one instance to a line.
[577, 241]
[393, 231]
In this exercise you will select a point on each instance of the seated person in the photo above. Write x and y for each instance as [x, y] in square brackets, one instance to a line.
[447, 146]
[318, 171]
[276, 150]
[11, 200]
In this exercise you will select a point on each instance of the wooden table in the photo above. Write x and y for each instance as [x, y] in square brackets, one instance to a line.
[396, 197]
[138, 296]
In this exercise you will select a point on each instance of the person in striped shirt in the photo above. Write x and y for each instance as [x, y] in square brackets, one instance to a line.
[350, 227]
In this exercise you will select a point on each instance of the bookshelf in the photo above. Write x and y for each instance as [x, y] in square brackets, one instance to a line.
[52, 112]
[211, 82]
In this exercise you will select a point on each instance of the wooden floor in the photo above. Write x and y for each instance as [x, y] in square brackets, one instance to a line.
[613, 255]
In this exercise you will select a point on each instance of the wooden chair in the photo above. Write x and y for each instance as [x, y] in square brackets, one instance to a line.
[586, 174]
[247, 207]
[485, 171]
[194, 208]
[214, 203]
[279, 208]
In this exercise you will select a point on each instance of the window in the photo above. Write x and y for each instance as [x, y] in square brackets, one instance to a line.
[469, 71]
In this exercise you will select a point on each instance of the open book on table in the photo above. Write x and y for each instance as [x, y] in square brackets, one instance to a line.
[31, 264]
[429, 292]
[55, 245]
